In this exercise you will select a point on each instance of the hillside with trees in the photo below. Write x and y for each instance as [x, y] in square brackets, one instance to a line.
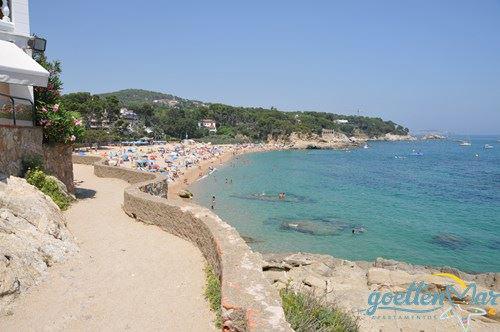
[168, 116]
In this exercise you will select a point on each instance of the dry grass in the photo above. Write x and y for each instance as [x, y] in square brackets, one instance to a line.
[306, 311]
[213, 294]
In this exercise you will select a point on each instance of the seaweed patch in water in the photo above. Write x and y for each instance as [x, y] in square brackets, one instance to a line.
[450, 241]
[289, 198]
[314, 227]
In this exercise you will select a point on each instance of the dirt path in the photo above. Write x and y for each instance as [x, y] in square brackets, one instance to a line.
[127, 276]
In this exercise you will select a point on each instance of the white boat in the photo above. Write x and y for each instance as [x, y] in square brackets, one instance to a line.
[366, 146]
[488, 146]
[465, 143]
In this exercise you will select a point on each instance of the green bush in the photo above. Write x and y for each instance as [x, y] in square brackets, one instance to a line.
[306, 312]
[213, 294]
[48, 186]
[31, 162]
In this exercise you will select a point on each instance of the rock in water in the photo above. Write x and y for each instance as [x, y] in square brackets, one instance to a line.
[33, 236]
[185, 194]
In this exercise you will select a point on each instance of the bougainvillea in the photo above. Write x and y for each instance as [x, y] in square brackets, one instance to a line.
[59, 125]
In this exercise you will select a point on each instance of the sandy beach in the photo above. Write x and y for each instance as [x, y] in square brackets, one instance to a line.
[182, 163]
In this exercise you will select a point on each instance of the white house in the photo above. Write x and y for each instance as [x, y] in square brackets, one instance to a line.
[18, 71]
[341, 121]
[209, 124]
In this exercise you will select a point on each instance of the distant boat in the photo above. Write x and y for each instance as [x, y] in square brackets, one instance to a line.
[465, 143]
[366, 146]
[416, 153]
[488, 146]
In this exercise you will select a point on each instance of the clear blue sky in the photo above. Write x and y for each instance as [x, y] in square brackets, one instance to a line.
[426, 64]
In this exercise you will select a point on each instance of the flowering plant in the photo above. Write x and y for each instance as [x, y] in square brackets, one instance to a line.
[59, 125]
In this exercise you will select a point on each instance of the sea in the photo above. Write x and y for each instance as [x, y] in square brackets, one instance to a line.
[423, 202]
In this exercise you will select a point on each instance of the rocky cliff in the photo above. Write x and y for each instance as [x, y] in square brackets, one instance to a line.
[33, 236]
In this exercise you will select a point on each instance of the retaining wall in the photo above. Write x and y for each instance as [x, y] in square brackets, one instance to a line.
[17, 143]
[249, 302]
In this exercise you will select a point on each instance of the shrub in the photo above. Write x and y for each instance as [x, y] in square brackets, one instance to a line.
[213, 294]
[31, 162]
[49, 187]
[59, 125]
[306, 312]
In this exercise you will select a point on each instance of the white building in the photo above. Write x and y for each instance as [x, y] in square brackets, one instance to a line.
[128, 115]
[18, 71]
[209, 124]
[341, 121]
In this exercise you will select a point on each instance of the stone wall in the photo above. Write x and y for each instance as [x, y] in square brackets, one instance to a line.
[249, 302]
[17, 143]
[57, 162]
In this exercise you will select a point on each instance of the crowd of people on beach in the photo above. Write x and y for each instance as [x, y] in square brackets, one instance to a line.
[169, 159]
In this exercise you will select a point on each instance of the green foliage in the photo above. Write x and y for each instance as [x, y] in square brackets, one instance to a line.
[306, 312]
[213, 294]
[99, 137]
[31, 162]
[48, 186]
[172, 116]
[59, 125]
[48, 95]
[92, 107]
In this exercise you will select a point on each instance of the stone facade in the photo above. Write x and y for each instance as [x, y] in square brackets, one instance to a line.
[249, 302]
[17, 143]
[57, 162]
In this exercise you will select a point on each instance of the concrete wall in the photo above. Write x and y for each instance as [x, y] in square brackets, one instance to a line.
[249, 302]
[17, 143]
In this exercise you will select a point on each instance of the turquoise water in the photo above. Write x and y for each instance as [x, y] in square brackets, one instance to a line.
[441, 208]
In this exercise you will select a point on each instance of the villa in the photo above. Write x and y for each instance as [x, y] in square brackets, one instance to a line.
[209, 124]
[18, 71]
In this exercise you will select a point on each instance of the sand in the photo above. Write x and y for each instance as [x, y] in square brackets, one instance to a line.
[127, 276]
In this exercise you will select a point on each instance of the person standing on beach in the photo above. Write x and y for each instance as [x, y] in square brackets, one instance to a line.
[213, 202]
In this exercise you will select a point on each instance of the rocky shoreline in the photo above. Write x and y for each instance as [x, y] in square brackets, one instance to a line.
[298, 141]
[348, 284]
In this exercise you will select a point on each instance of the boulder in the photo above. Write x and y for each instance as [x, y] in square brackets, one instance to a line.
[33, 236]
[185, 194]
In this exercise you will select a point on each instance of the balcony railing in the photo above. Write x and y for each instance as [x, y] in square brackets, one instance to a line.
[16, 111]
[6, 16]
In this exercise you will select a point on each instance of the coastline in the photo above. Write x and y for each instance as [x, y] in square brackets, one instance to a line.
[352, 281]
[196, 173]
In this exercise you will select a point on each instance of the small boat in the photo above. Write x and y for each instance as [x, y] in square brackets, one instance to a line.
[416, 153]
[488, 146]
[366, 146]
[465, 143]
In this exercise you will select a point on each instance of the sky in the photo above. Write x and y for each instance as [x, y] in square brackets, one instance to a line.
[426, 64]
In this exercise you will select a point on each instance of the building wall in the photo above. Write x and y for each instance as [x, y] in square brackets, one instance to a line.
[21, 17]
[17, 143]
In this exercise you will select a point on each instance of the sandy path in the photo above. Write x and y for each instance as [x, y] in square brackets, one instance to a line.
[128, 275]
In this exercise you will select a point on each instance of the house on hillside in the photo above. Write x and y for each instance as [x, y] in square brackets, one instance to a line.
[18, 71]
[128, 115]
[341, 121]
[209, 124]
